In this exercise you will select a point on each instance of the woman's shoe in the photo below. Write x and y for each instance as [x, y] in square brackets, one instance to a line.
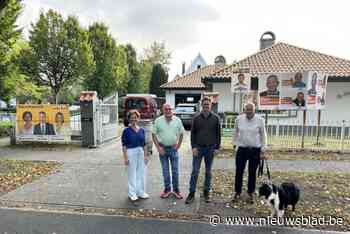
[144, 196]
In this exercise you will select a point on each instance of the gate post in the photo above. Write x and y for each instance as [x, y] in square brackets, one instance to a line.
[342, 135]
[88, 103]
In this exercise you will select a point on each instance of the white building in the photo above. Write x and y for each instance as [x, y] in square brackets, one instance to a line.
[271, 58]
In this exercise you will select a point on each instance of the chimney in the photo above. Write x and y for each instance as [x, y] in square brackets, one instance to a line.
[266, 42]
[183, 68]
[220, 61]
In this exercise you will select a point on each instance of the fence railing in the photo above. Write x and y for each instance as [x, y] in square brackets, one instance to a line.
[328, 135]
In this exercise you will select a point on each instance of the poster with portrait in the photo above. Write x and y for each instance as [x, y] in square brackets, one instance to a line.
[316, 90]
[292, 91]
[43, 123]
[269, 91]
[240, 82]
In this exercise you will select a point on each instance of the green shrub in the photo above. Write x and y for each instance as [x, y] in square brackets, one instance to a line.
[5, 128]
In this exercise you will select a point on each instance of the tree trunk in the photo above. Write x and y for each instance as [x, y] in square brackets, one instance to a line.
[55, 97]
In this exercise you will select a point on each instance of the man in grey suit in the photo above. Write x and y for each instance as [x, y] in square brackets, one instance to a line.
[43, 128]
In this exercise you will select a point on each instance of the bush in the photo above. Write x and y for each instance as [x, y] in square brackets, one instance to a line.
[5, 128]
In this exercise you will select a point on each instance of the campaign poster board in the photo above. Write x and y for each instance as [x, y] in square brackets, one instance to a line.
[269, 91]
[316, 90]
[43, 123]
[240, 82]
[304, 90]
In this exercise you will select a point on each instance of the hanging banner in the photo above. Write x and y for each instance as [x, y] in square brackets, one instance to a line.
[240, 82]
[43, 123]
[292, 91]
[316, 90]
[269, 91]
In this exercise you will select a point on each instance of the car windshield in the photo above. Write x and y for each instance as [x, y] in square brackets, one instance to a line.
[135, 104]
[188, 109]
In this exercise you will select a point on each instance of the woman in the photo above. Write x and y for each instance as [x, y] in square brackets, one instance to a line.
[28, 127]
[60, 129]
[135, 156]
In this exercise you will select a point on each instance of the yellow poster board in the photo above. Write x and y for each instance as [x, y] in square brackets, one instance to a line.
[43, 123]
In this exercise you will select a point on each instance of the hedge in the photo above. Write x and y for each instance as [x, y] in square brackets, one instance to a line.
[5, 128]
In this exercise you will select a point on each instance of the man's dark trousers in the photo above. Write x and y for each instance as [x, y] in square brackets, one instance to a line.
[243, 155]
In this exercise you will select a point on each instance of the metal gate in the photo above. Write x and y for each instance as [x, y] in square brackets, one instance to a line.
[107, 117]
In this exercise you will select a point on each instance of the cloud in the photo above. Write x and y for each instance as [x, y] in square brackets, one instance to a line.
[140, 21]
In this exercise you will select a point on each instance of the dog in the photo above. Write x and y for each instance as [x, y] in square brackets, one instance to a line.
[279, 197]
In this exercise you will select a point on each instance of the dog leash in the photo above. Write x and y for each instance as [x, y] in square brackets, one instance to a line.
[268, 171]
[261, 169]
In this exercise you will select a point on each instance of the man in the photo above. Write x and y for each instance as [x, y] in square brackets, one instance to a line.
[240, 86]
[299, 100]
[205, 139]
[272, 83]
[249, 136]
[167, 136]
[298, 81]
[43, 128]
[312, 91]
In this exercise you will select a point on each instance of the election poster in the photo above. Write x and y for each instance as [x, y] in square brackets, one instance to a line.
[43, 123]
[292, 91]
[240, 82]
[269, 91]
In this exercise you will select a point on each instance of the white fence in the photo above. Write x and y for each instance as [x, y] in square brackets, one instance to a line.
[328, 135]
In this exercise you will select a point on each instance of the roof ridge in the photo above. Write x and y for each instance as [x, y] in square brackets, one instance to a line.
[254, 54]
[315, 52]
[261, 51]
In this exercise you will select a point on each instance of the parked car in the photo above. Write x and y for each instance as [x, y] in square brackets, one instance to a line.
[143, 103]
[186, 111]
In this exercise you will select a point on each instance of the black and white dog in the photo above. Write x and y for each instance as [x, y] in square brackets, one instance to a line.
[279, 197]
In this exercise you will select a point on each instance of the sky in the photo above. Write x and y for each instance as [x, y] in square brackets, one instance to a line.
[221, 27]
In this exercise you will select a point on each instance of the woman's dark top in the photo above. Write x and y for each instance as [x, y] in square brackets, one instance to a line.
[132, 139]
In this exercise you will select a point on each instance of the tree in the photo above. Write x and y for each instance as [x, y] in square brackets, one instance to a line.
[9, 34]
[145, 76]
[159, 77]
[59, 52]
[157, 54]
[135, 84]
[111, 62]
[18, 84]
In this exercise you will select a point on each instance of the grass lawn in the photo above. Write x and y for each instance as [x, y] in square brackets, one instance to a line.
[322, 194]
[15, 173]
[327, 144]
[294, 155]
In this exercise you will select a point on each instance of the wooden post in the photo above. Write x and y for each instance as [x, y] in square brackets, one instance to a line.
[266, 121]
[342, 135]
[318, 127]
[303, 132]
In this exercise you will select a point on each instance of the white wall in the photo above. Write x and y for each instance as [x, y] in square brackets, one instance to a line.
[170, 98]
[225, 96]
[337, 104]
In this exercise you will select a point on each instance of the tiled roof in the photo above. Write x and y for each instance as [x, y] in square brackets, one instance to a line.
[192, 80]
[283, 57]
